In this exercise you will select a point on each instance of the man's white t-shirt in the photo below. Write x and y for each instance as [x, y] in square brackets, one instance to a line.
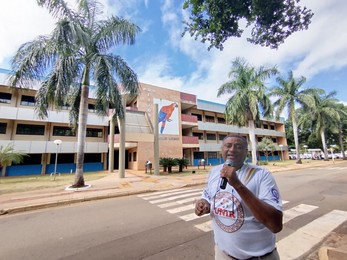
[236, 231]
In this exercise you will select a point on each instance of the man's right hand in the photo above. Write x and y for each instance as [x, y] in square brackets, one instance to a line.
[202, 207]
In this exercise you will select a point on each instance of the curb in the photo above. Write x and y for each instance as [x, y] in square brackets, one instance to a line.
[330, 253]
[70, 201]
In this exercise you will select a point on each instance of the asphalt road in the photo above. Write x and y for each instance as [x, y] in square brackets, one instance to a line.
[147, 227]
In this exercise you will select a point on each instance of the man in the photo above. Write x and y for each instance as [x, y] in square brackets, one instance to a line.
[248, 212]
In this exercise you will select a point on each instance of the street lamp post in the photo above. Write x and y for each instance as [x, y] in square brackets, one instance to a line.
[57, 142]
[281, 146]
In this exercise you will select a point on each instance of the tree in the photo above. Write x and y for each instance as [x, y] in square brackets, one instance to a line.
[168, 163]
[70, 58]
[182, 162]
[267, 146]
[272, 21]
[289, 94]
[342, 126]
[321, 113]
[8, 156]
[248, 101]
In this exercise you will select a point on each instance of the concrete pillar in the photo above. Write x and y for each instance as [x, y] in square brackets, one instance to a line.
[122, 140]
[111, 145]
[156, 141]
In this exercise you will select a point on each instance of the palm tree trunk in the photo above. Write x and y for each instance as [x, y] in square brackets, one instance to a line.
[82, 129]
[251, 127]
[341, 143]
[325, 149]
[3, 171]
[296, 139]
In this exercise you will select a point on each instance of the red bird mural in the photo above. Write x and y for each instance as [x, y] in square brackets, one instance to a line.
[165, 114]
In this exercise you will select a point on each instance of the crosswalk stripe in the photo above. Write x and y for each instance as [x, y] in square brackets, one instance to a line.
[192, 216]
[285, 202]
[156, 196]
[297, 211]
[305, 238]
[181, 209]
[206, 226]
[159, 192]
[174, 197]
[176, 203]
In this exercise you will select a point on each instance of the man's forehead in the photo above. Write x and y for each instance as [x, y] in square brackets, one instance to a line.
[234, 140]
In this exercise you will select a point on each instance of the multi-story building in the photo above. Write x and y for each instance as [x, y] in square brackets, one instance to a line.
[188, 127]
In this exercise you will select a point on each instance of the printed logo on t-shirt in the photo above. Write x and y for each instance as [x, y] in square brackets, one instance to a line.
[228, 212]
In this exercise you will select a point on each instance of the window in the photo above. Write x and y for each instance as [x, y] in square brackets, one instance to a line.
[32, 159]
[135, 156]
[272, 127]
[259, 139]
[92, 157]
[5, 98]
[274, 140]
[130, 154]
[3, 128]
[199, 135]
[63, 131]
[212, 155]
[94, 132]
[211, 136]
[209, 119]
[63, 158]
[221, 120]
[27, 101]
[23, 129]
[265, 126]
[199, 117]
[221, 137]
[91, 108]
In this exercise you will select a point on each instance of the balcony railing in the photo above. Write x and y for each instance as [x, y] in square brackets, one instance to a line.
[189, 118]
[190, 140]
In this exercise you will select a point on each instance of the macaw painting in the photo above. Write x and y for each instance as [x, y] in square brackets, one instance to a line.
[168, 113]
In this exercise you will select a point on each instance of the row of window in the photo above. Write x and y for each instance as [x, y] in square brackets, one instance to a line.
[24, 129]
[5, 98]
[213, 137]
[33, 159]
[221, 120]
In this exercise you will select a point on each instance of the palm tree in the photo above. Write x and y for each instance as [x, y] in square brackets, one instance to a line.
[248, 101]
[8, 155]
[322, 114]
[342, 110]
[289, 94]
[70, 58]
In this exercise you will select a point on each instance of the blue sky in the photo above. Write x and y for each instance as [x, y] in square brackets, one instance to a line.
[163, 58]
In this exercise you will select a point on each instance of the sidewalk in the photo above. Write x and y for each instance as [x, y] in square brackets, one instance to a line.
[136, 182]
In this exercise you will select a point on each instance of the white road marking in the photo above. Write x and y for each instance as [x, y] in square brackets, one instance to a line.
[177, 203]
[158, 192]
[305, 238]
[297, 211]
[206, 226]
[174, 197]
[181, 209]
[156, 196]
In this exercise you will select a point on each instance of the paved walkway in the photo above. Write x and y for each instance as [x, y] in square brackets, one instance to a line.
[135, 182]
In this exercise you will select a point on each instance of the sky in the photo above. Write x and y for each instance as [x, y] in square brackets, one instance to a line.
[162, 57]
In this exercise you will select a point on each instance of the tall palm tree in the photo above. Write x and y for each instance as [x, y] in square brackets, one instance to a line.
[322, 114]
[72, 57]
[248, 101]
[342, 110]
[289, 95]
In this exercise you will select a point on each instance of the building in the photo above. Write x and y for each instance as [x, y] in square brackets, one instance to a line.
[188, 127]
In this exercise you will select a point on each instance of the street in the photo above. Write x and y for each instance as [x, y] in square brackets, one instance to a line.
[162, 225]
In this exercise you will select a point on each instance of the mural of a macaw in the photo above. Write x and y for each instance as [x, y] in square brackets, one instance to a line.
[164, 115]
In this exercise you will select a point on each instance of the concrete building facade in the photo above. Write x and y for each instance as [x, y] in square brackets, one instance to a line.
[188, 127]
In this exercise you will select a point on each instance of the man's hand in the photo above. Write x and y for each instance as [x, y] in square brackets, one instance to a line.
[202, 207]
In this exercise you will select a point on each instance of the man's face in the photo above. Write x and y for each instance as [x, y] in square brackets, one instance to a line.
[234, 149]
